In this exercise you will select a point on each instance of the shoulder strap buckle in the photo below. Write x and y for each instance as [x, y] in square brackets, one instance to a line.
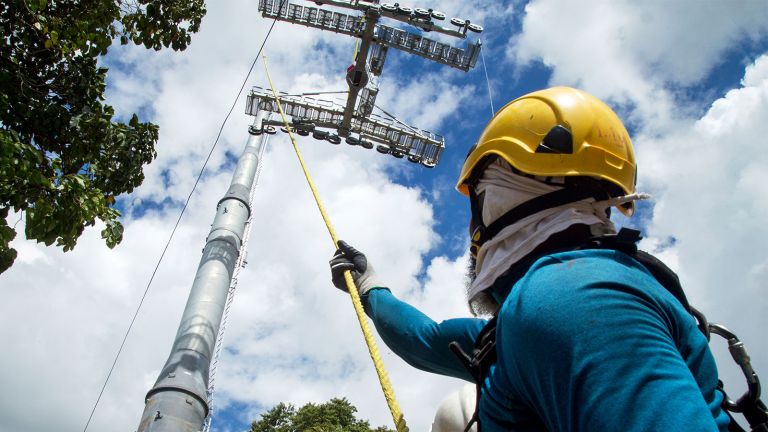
[478, 363]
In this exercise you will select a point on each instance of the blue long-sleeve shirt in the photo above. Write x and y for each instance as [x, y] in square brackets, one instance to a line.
[586, 341]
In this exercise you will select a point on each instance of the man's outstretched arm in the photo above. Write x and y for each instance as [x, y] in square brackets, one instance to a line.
[413, 336]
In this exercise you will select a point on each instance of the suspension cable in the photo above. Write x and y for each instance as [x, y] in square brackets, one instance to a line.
[412, 129]
[488, 82]
[176, 225]
[373, 350]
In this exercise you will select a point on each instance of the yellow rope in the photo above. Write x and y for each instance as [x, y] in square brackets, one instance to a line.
[386, 386]
[357, 42]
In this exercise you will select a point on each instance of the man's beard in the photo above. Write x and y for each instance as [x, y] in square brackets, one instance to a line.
[471, 273]
[483, 304]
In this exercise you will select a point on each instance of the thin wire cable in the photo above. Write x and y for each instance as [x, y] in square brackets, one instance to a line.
[21, 215]
[176, 225]
[488, 82]
[318, 93]
[414, 130]
[386, 386]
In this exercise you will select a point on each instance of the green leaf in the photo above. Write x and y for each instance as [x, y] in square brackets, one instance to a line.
[7, 257]
[113, 233]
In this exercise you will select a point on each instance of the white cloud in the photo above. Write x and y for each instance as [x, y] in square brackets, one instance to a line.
[630, 52]
[756, 73]
[711, 190]
[292, 336]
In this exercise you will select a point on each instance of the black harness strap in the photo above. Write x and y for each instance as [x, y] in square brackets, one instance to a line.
[478, 363]
[626, 241]
[574, 190]
[535, 205]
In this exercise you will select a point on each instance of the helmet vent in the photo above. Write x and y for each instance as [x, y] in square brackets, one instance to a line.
[558, 140]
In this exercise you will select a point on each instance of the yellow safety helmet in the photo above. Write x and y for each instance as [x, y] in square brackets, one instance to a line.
[560, 131]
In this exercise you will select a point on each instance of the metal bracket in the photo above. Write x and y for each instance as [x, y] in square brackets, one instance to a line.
[355, 120]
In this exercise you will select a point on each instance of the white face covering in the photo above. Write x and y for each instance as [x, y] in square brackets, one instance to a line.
[505, 190]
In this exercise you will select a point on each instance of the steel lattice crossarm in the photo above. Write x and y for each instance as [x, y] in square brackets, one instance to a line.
[311, 116]
[463, 59]
[312, 17]
[356, 116]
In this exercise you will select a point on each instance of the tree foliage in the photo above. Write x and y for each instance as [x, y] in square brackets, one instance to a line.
[336, 415]
[63, 156]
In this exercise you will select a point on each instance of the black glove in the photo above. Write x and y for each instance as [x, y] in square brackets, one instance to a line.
[349, 258]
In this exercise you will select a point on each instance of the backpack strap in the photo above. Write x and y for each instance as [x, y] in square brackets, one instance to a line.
[749, 405]
[478, 363]
[626, 241]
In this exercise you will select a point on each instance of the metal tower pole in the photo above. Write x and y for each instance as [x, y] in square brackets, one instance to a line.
[357, 78]
[178, 402]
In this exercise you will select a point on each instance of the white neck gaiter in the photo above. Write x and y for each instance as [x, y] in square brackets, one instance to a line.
[505, 190]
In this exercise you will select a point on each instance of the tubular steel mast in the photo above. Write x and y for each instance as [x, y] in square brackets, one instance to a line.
[178, 402]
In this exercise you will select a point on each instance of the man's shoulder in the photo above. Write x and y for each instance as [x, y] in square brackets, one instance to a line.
[588, 266]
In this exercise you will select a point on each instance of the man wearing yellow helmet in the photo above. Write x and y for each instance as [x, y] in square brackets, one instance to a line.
[586, 333]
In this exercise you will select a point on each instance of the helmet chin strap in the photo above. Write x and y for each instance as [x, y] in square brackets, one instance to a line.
[618, 201]
[569, 194]
[481, 233]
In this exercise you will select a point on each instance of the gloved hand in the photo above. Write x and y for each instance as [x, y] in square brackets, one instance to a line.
[349, 258]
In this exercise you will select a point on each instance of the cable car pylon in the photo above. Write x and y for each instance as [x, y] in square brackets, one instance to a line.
[179, 400]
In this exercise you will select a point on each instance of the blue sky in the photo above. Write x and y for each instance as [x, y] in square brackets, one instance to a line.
[690, 78]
